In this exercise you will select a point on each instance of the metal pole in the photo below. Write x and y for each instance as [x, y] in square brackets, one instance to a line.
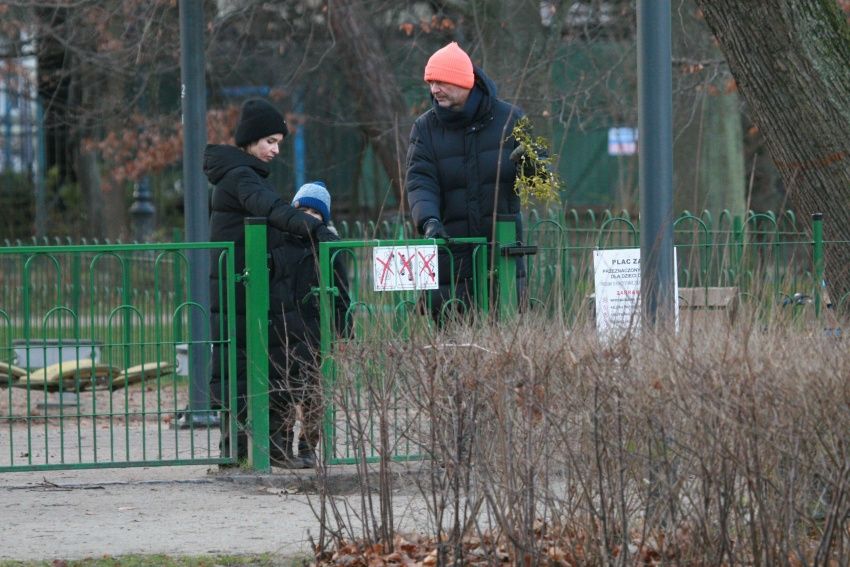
[195, 198]
[655, 128]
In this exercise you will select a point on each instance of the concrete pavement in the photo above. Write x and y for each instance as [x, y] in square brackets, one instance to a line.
[190, 510]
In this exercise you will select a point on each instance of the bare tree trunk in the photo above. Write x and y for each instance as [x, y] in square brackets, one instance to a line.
[709, 155]
[87, 166]
[88, 175]
[381, 112]
[791, 61]
[708, 161]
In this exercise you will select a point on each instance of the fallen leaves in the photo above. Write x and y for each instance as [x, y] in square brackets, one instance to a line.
[554, 545]
[424, 552]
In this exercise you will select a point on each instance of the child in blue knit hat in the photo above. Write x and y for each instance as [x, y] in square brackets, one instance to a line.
[294, 336]
[313, 198]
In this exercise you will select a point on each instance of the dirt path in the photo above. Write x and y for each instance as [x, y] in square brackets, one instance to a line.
[176, 510]
[170, 510]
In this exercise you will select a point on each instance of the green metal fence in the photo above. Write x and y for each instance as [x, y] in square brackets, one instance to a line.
[762, 255]
[125, 306]
[767, 258]
[767, 253]
[91, 371]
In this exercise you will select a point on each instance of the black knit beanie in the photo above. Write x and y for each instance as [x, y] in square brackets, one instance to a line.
[258, 119]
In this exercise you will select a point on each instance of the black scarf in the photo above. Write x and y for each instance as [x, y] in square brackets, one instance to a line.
[464, 116]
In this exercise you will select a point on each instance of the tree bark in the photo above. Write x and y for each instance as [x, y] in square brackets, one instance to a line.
[791, 61]
[54, 91]
[708, 157]
[87, 163]
[383, 116]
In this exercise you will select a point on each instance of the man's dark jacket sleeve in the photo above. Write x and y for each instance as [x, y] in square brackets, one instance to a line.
[422, 185]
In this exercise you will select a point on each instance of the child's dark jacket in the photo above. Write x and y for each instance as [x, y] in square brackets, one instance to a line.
[293, 303]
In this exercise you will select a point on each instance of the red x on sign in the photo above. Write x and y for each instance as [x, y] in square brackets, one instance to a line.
[426, 265]
[385, 267]
[406, 268]
[397, 268]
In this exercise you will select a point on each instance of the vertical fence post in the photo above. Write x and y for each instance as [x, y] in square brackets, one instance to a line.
[738, 248]
[179, 293]
[256, 279]
[126, 315]
[76, 282]
[817, 256]
[326, 280]
[506, 266]
[482, 282]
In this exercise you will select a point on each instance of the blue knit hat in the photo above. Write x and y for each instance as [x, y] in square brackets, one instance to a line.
[315, 196]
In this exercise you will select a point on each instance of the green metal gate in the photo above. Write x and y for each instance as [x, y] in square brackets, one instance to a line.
[93, 365]
[365, 415]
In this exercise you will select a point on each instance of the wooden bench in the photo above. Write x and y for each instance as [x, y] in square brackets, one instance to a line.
[709, 299]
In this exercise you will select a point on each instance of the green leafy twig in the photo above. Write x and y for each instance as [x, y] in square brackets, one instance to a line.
[536, 177]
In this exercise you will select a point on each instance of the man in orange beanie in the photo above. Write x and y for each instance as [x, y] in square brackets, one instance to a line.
[460, 175]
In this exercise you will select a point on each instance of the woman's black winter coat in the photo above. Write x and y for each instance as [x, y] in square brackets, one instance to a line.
[242, 190]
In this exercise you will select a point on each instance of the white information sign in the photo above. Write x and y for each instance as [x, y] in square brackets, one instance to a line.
[396, 268]
[617, 283]
[616, 275]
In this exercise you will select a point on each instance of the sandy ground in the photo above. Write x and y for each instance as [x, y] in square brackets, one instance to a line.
[149, 400]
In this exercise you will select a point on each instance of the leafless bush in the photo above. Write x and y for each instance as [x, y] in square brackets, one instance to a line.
[723, 444]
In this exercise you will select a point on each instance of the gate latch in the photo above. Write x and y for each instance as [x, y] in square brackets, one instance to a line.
[518, 250]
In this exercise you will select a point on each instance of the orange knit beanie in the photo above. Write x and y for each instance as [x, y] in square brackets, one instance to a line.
[450, 65]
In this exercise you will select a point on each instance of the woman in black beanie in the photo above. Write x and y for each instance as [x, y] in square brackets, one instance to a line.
[241, 189]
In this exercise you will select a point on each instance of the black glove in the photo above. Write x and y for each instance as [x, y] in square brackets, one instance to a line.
[517, 154]
[434, 229]
[325, 234]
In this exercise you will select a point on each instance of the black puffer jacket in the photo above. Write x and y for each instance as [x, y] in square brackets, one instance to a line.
[456, 171]
[293, 303]
[242, 190]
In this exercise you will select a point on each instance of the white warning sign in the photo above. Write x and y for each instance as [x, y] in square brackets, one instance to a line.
[617, 279]
[396, 268]
[617, 283]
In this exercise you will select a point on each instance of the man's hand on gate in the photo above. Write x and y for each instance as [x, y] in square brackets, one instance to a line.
[434, 229]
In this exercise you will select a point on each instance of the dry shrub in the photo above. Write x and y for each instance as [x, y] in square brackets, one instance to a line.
[722, 444]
